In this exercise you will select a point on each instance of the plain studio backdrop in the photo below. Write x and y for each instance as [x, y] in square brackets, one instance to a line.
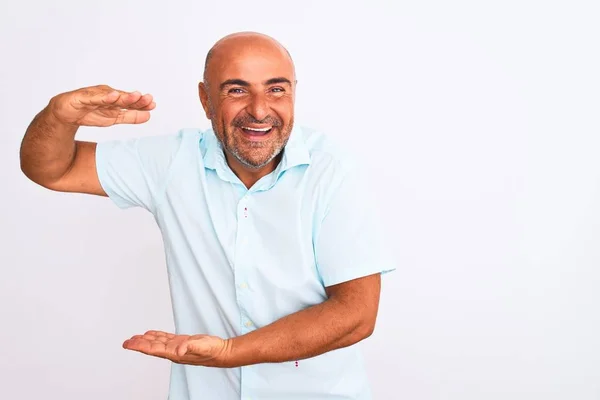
[477, 121]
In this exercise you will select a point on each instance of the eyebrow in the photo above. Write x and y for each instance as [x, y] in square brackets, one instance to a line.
[273, 81]
[241, 82]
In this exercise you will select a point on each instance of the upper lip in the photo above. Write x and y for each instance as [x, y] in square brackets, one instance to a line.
[257, 127]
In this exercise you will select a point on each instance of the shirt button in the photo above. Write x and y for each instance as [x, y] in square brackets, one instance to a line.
[249, 324]
[244, 286]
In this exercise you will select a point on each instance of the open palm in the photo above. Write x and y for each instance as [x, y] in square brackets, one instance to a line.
[183, 349]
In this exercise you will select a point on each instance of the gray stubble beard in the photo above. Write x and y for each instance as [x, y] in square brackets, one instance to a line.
[248, 163]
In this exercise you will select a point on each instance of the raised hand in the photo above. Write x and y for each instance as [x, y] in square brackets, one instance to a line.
[203, 350]
[101, 106]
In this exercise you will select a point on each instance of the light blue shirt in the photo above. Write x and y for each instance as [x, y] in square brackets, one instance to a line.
[239, 259]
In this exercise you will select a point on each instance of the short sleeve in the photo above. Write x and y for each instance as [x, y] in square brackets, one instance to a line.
[133, 172]
[351, 242]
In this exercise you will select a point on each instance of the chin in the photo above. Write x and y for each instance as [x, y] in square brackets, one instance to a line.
[254, 163]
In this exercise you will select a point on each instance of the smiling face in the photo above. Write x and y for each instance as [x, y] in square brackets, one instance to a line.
[248, 95]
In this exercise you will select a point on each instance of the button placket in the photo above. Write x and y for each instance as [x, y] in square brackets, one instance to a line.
[242, 258]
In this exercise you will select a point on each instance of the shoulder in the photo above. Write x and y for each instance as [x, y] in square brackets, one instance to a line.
[167, 143]
[167, 146]
[330, 157]
[157, 151]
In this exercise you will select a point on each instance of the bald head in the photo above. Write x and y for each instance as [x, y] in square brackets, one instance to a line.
[243, 42]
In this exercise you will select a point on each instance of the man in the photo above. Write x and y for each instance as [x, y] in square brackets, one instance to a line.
[273, 257]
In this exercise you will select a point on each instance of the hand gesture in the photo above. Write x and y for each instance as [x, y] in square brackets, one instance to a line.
[101, 106]
[211, 351]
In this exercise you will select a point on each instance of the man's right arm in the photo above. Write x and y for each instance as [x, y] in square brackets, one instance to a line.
[52, 158]
[50, 155]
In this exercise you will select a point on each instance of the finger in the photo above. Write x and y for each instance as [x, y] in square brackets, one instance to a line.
[136, 343]
[106, 98]
[162, 339]
[125, 99]
[159, 333]
[143, 102]
[149, 347]
[132, 101]
[156, 335]
[149, 337]
[103, 95]
[134, 339]
[149, 107]
[92, 97]
[132, 117]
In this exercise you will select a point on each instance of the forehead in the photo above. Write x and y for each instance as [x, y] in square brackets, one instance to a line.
[254, 64]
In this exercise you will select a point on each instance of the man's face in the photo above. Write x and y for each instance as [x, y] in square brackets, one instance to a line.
[249, 98]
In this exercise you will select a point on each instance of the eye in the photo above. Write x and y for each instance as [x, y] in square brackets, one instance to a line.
[236, 91]
[278, 89]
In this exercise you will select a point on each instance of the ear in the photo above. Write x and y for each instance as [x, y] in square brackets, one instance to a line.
[294, 89]
[203, 92]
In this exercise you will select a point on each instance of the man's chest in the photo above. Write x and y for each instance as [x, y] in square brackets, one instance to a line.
[260, 243]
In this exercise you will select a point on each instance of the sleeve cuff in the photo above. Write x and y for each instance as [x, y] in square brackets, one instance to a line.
[101, 171]
[354, 273]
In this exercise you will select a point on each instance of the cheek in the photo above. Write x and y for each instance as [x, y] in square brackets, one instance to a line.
[284, 108]
[229, 112]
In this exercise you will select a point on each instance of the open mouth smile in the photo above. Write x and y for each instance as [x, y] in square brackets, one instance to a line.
[256, 131]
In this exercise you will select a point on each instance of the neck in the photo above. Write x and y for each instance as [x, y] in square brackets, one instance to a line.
[249, 176]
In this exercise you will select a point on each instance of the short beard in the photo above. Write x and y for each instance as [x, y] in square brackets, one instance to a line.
[252, 165]
[248, 163]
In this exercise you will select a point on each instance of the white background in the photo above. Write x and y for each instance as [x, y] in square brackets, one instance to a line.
[479, 122]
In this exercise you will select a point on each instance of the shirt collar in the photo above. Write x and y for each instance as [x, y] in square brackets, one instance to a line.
[213, 156]
[295, 152]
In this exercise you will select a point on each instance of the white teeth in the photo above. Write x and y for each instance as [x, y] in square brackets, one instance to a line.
[257, 129]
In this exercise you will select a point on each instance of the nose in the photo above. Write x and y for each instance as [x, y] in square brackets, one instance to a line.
[258, 107]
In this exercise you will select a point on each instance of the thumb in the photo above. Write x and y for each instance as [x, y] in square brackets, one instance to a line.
[199, 347]
[182, 349]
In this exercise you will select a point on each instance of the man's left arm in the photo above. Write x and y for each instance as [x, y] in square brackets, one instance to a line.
[345, 318]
